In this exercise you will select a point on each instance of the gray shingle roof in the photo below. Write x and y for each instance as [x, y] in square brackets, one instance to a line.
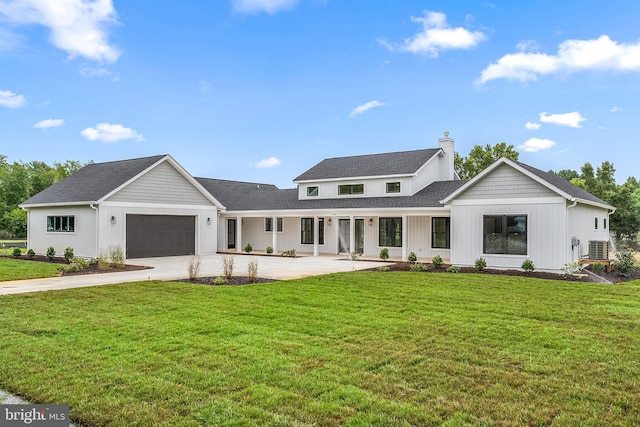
[241, 196]
[92, 182]
[397, 163]
[563, 184]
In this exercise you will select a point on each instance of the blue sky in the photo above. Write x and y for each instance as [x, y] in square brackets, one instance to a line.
[261, 90]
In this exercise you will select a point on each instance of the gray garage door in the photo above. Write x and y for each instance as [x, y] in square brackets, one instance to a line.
[160, 235]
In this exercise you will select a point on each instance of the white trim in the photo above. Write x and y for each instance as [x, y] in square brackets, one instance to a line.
[48, 205]
[511, 201]
[354, 178]
[157, 206]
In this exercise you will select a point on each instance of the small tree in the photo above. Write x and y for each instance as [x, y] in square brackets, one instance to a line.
[248, 248]
[51, 252]
[412, 258]
[68, 254]
[17, 252]
[625, 261]
[31, 253]
[384, 253]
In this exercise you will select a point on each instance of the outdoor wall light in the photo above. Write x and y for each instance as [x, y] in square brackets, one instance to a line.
[113, 219]
[370, 221]
[329, 222]
[208, 221]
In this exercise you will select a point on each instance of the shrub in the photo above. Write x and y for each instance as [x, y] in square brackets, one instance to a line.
[383, 268]
[252, 271]
[193, 267]
[117, 256]
[597, 268]
[384, 253]
[51, 252]
[289, 253]
[76, 264]
[453, 269]
[103, 264]
[219, 281]
[527, 266]
[31, 253]
[625, 261]
[481, 264]
[437, 261]
[17, 252]
[571, 269]
[68, 254]
[227, 267]
[412, 258]
[248, 248]
[418, 267]
[269, 250]
[354, 256]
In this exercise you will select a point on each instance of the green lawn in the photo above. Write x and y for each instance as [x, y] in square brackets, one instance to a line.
[361, 348]
[16, 269]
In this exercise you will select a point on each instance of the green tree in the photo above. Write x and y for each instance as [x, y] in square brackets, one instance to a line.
[605, 181]
[480, 158]
[625, 221]
[588, 177]
[567, 174]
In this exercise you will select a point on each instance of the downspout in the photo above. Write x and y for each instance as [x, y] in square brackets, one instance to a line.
[91, 205]
[569, 238]
[611, 242]
[28, 227]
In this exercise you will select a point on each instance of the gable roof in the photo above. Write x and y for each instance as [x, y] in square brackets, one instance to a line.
[96, 181]
[244, 196]
[555, 183]
[385, 164]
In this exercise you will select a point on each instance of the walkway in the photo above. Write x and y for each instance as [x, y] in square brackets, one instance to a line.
[172, 268]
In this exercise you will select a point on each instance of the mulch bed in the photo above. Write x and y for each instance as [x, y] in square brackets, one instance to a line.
[233, 281]
[91, 269]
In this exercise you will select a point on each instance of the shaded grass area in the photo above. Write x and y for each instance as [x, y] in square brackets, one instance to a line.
[361, 348]
[15, 269]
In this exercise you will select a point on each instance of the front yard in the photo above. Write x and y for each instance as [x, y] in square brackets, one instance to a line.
[12, 269]
[362, 348]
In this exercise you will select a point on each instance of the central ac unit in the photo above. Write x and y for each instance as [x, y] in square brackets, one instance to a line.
[598, 249]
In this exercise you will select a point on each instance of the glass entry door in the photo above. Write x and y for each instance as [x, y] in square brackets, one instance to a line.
[231, 233]
[359, 231]
[344, 235]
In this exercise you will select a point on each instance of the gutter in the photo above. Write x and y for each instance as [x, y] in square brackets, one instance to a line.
[569, 238]
[91, 205]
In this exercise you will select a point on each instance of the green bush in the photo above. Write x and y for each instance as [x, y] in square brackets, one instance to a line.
[17, 252]
[31, 254]
[68, 254]
[437, 261]
[571, 269]
[481, 264]
[412, 258]
[453, 269]
[383, 268]
[527, 266]
[384, 253]
[418, 267]
[597, 268]
[354, 256]
[269, 250]
[219, 281]
[51, 252]
[76, 264]
[625, 261]
[291, 253]
[248, 248]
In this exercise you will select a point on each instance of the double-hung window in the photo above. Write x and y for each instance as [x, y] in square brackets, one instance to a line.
[505, 234]
[440, 233]
[390, 232]
[268, 224]
[306, 231]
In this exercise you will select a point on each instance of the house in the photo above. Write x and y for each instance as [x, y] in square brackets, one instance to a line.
[409, 201]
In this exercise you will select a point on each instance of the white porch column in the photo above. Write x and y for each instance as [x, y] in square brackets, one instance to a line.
[352, 234]
[405, 225]
[274, 235]
[239, 234]
[316, 236]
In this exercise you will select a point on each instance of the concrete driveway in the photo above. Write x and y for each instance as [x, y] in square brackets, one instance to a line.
[172, 268]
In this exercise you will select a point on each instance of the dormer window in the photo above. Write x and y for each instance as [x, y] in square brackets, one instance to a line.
[312, 191]
[351, 189]
[393, 187]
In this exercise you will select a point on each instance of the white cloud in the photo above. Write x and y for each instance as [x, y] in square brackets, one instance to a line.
[572, 56]
[268, 163]
[77, 26]
[87, 71]
[615, 109]
[49, 123]
[107, 132]
[536, 144]
[269, 6]
[11, 100]
[532, 126]
[366, 106]
[436, 36]
[572, 119]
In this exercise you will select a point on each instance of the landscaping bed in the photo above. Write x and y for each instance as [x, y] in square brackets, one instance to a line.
[90, 269]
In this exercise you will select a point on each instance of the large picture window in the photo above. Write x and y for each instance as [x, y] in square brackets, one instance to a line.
[61, 223]
[440, 233]
[351, 189]
[505, 234]
[390, 232]
[306, 231]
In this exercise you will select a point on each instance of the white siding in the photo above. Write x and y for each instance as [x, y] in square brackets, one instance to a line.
[582, 226]
[506, 182]
[373, 187]
[420, 239]
[82, 240]
[162, 184]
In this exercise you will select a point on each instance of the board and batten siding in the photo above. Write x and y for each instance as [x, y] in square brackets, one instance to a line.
[373, 187]
[161, 185]
[82, 240]
[506, 182]
[582, 226]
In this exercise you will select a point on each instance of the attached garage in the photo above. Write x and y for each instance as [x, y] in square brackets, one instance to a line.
[160, 235]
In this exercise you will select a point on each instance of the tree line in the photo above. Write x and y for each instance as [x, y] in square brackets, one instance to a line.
[18, 182]
[624, 222]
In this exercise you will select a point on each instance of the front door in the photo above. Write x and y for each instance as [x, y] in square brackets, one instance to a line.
[344, 235]
[359, 230]
[231, 233]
